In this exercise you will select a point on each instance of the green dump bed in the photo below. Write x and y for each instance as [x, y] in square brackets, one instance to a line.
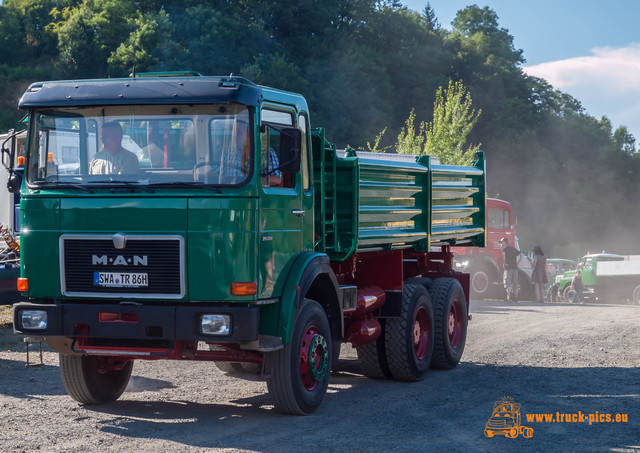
[370, 201]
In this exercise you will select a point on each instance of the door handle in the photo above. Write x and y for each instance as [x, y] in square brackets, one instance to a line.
[297, 212]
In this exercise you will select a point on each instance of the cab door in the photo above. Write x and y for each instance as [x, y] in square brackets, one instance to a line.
[282, 214]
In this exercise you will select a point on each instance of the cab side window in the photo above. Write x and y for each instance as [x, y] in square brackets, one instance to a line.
[280, 149]
[272, 175]
[499, 218]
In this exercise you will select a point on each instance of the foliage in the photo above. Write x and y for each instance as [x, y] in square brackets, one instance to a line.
[453, 121]
[446, 135]
[362, 64]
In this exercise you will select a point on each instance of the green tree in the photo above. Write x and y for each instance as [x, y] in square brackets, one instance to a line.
[624, 140]
[149, 41]
[446, 135]
[90, 33]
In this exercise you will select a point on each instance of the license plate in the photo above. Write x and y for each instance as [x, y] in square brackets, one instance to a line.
[120, 279]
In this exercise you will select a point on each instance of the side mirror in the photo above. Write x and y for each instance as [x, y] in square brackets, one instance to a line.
[14, 182]
[290, 146]
[9, 150]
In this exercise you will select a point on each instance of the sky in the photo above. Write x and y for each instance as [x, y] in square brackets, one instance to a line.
[589, 49]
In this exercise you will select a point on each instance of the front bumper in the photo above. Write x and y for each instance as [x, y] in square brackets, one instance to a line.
[137, 322]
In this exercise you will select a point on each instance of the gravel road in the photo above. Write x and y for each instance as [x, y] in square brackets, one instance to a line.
[549, 358]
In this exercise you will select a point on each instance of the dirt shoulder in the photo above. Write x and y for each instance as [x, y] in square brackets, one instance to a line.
[549, 358]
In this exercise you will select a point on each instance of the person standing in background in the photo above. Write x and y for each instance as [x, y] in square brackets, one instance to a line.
[539, 274]
[511, 260]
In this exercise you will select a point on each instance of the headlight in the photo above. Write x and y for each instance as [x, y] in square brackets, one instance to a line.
[33, 319]
[215, 324]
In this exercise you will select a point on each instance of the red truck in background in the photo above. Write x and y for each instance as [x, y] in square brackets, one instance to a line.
[484, 264]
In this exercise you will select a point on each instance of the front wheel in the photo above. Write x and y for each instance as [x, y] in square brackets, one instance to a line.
[94, 379]
[481, 282]
[299, 372]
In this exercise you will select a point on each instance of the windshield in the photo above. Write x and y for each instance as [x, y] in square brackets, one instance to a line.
[148, 144]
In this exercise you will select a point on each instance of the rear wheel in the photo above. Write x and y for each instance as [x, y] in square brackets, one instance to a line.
[94, 379]
[423, 281]
[239, 368]
[299, 372]
[409, 339]
[635, 297]
[372, 357]
[450, 314]
[229, 367]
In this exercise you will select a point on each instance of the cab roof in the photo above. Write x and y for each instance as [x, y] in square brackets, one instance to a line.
[180, 89]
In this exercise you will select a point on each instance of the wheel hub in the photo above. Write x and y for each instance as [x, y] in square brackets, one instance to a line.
[314, 358]
[480, 282]
[455, 323]
[421, 333]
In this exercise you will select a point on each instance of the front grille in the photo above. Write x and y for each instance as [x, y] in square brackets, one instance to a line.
[145, 267]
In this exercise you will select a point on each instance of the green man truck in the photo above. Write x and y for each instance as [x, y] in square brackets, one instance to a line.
[187, 217]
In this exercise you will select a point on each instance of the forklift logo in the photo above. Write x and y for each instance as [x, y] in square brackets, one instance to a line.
[505, 420]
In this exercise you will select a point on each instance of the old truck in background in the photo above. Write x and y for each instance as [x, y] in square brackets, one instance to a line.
[484, 264]
[243, 238]
[606, 277]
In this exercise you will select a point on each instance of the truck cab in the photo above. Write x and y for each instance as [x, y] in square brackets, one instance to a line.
[485, 264]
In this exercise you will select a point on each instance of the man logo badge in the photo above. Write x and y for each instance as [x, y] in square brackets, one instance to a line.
[119, 260]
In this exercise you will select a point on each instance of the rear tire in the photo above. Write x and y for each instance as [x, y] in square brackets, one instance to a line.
[239, 369]
[299, 372]
[372, 357]
[229, 367]
[88, 380]
[451, 318]
[409, 339]
[423, 281]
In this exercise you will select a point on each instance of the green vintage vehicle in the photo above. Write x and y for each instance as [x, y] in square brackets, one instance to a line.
[557, 267]
[183, 217]
[605, 276]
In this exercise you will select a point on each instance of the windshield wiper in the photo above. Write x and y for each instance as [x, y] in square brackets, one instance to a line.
[187, 184]
[66, 185]
[126, 184]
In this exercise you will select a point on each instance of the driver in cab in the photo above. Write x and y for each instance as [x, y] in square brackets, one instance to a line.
[113, 159]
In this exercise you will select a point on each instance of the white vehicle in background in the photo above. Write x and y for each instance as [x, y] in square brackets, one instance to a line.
[12, 145]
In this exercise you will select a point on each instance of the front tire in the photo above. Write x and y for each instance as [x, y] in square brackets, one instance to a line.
[481, 283]
[94, 380]
[409, 339]
[299, 372]
[451, 318]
